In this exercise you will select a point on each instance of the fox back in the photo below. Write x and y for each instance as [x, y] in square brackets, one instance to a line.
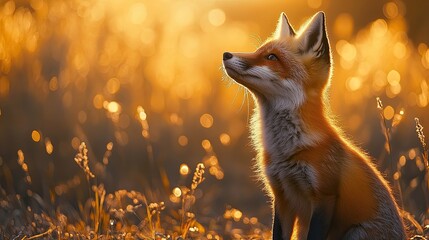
[322, 186]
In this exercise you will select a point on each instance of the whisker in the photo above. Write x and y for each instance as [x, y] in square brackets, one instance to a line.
[236, 93]
[258, 40]
[225, 78]
[244, 93]
[248, 106]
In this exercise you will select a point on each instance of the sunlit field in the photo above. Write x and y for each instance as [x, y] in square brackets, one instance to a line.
[117, 121]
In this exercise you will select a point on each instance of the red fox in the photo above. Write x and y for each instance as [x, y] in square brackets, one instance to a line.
[322, 186]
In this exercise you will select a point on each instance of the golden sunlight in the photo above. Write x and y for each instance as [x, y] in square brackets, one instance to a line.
[135, 92]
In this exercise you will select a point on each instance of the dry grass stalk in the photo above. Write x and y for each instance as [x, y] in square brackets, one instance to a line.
[198, 176]
[100, 216]
[188, 221]
[393, 166]
[384, 124]
[421, 136]
[82, 160]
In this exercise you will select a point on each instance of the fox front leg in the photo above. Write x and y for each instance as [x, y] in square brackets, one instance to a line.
[303, 224]
[284, 220]
[321, 219]
[290, 223]
[277, 227]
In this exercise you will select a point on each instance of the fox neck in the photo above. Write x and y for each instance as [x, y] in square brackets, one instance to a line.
[286, 131]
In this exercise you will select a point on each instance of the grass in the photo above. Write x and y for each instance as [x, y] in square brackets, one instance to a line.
[415, 229]
[121, 214]
[124, 214]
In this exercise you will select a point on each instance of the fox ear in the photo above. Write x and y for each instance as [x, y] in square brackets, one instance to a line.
[283, 29]
[314, 39]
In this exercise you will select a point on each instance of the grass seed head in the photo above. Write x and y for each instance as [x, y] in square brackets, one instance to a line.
[420, 134]
[198, 176]
[82, 160]
[379, 104]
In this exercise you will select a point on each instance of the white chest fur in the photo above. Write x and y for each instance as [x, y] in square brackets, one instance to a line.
[282, 136]
[283, 133]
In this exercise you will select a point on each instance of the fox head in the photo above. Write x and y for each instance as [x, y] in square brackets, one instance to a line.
[289, 67]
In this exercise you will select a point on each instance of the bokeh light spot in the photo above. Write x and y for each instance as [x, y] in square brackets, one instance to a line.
[177, 192]
[113, 85]
[396, 175]
[379, 28]
[354, 83]
[53, 84]
[112, 107]
[109, 146]
[20, 157]
[184, 169]
[81, 117]
[182, 140]
[237, 215]
[395, 89]
[402, 160]
[421, 48]
[48, 146]
[388, 112]
[390, 10]
[98, 101]
[35, 135]
[206, 144]
[75, 142]
[346, 50]
[206, 120]
[393, 77]
[175, 119]
[225, 139]
[412, 154]
[141, 113]
[414, 183]
[216, 17]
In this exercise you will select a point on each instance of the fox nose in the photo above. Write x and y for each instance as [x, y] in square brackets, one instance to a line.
[227, 55]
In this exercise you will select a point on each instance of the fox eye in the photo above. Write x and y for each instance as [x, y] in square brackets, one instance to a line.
[272, 57]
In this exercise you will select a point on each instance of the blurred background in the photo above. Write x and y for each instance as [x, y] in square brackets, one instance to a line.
[140, 82]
